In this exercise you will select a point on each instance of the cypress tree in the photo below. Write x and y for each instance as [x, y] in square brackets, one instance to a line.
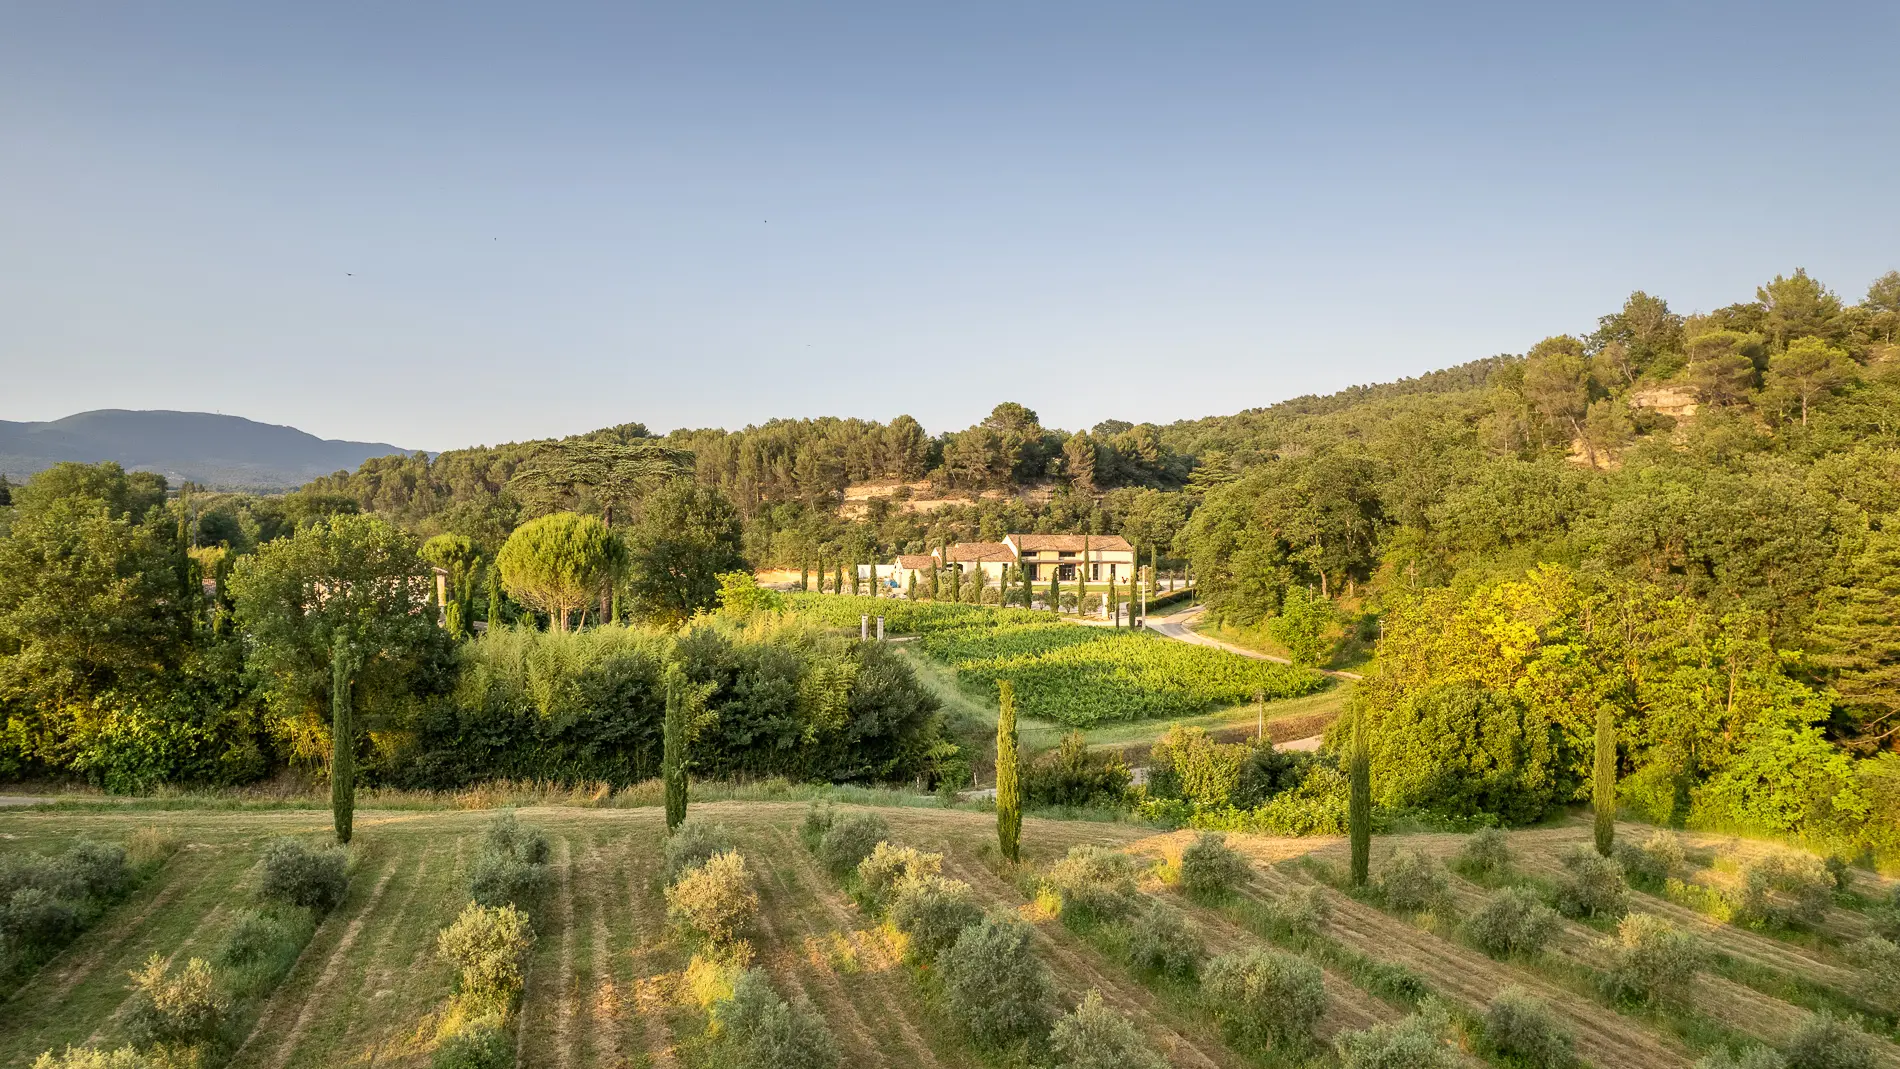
[1055, 588]
[1009, 799]
[673, 748]
[1603, 786]
[1359, 802]
[911, 592]
[804, 575]
[1029, 594]
[837, 578]
[494, 596]
[854, 579]
[342, 742]
[933, 580]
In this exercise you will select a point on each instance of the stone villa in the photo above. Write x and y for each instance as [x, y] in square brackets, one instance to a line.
[1107, 558]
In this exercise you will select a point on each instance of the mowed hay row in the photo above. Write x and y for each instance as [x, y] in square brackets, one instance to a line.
[370, 973]
[1471, 979]
[1348, 1007]
[817, 944]
[1541, 856]
[1735, 1006]
[78, 996]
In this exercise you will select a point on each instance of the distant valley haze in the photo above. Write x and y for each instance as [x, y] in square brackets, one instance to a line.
[201, 447]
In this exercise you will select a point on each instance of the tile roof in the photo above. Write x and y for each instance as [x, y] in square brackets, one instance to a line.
[980, 552]
[915, 561]
[1072, 543]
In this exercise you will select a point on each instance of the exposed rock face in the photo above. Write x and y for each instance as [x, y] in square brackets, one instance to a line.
[1676, 402]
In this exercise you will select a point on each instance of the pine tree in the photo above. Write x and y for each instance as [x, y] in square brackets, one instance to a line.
[673, 747]
[1859, 639]
[1009, 799]
[1359, 802]
[1603, 781]
[342, 742]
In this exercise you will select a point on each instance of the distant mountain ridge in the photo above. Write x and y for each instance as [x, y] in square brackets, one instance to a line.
[227, 452]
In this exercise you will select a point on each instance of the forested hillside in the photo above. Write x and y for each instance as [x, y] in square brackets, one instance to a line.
[1686, 524]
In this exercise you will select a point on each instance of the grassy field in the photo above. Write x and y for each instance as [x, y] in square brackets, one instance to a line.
[606, 987]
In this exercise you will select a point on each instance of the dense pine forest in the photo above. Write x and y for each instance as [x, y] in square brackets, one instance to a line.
[1689, 524]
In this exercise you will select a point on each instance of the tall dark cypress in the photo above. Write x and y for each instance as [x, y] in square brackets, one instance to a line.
[1029, 594]
[1359, 801]
[837, 578]
[342, 742]
[673, 747]
[1009, 799]
[804, 575]
[1603, 782]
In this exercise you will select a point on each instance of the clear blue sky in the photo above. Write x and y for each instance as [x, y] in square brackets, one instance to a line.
[442, 224]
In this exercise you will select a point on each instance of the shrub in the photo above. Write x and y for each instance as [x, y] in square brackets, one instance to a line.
[1653, 864]
[255, 936]
[1264, 996]
[36, 922]
[508, 836]
[483, 1043]
[1880, 958]
[818, 820]
[1094, 880]
[488, 945]
[888, 866]
[1486, 853]
[691, 844]
[755, 1027]
[994, 984]
[1592, 886]
[1414, 1042]
[186, 1010]
[932, 912]
[1650, 960]
[1784, 890]
[1302, 912]
[88, 1058]
[1411, 882]
[1096, 1037]
[1512, 921]
[497, 879]
[1753, 1058]
[715, 900]
[93, 870]
[1070, 775]
[1163, 940]
[300, 875]
[850, 840]
[1886, 919]
[1210, 867]
[1520, 1027]
[1840, 872]
[1825, 1041]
